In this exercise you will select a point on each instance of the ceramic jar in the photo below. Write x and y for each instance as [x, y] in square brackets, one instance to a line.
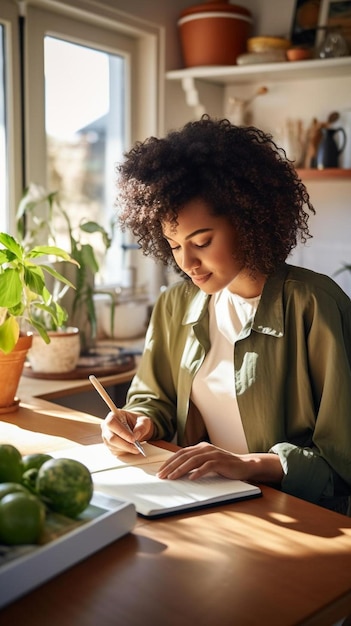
[214, 33]
[59, 356]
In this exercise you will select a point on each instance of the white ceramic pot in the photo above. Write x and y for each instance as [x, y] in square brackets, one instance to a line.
[130, 319]
[59, 356]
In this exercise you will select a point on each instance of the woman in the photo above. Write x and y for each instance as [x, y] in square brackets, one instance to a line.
[247, 358]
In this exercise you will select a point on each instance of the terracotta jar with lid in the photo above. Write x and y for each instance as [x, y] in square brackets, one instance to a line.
[214, 33]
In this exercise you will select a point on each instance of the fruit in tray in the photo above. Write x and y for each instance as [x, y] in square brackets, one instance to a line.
[34, 489]
[65, 485]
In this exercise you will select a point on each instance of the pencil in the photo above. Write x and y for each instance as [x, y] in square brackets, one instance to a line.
[111, 405]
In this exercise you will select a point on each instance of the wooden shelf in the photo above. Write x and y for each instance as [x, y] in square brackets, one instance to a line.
[327, 174]
[245, 74]
[296, 70]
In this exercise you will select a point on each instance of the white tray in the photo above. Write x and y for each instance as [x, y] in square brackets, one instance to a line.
[105, 520]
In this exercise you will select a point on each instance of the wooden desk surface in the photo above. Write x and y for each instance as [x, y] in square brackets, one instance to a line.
[275, 560]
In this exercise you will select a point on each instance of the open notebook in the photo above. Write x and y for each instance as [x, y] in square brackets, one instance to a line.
[133, 478]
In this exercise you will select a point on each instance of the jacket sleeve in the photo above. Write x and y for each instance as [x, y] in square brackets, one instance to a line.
[323, 469]
[153, 391]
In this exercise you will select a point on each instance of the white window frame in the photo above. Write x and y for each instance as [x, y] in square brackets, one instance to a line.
[14, 183]
[79, 20]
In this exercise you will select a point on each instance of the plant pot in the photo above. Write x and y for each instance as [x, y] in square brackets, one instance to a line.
[130, 318]
[11, 367]
[214, 33]
[59, 356]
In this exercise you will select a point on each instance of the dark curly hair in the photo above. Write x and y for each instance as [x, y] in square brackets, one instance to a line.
[238, 171]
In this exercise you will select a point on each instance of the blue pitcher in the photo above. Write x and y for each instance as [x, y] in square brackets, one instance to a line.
[328, 150]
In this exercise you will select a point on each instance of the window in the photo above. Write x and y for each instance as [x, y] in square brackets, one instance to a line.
[85, 133]
[77, 125]
[120, 64]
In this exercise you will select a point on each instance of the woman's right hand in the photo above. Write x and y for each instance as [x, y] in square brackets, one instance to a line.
[117, 437]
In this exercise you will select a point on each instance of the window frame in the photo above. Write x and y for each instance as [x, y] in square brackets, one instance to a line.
[141, 48]
[9, 19]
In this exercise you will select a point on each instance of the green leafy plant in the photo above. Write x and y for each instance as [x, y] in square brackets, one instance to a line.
[46, 212]
[25, 300]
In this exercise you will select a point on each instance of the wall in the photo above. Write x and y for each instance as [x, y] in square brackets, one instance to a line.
[331, 226]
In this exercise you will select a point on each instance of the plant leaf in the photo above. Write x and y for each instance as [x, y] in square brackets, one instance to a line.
[41, 330]
[10, 288]
[88, 257]
[9, 333]
[34, 278]
[38, 251]
[57, 275]
[11, 244]
[6, 256]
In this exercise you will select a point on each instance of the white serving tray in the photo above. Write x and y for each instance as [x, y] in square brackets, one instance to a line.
[105, 520]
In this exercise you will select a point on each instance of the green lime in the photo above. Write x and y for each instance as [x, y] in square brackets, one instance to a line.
[22, 519]
[35, 460]
[6, 488]
[11, 467]
[65, 485]
[29, 479]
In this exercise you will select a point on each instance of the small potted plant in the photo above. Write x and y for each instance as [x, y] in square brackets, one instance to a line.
[41, 216]
[24, 298]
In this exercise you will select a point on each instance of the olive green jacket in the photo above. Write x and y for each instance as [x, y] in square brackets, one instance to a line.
[292, 376]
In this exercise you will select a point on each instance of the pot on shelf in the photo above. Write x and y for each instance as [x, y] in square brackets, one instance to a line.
[214, 33]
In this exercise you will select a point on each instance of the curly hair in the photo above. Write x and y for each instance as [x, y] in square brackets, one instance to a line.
[238, 171]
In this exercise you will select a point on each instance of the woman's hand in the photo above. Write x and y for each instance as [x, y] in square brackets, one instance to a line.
[118, 438]
[196, 461]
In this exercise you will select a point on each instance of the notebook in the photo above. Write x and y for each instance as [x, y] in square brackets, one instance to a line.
[134, 478]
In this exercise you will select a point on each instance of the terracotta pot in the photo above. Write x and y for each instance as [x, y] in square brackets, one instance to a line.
[59, 356]
[11, 367]
[214, 33]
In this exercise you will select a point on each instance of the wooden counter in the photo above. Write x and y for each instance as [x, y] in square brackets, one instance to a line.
[53, 388]
[274, 560]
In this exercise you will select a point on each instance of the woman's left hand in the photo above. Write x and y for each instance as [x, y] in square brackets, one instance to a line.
[204, 458]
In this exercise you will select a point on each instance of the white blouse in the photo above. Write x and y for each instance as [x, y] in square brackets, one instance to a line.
[213, 390]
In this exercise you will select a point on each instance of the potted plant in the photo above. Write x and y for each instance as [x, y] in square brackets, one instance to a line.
[25, 304]
[61, 354]
[40, 216]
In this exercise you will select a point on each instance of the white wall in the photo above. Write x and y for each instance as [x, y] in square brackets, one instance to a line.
[331, 227]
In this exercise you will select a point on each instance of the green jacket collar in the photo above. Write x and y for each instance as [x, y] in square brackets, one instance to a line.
[269, 318]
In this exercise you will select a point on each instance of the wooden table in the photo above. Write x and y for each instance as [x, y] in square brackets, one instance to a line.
[275, 560]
